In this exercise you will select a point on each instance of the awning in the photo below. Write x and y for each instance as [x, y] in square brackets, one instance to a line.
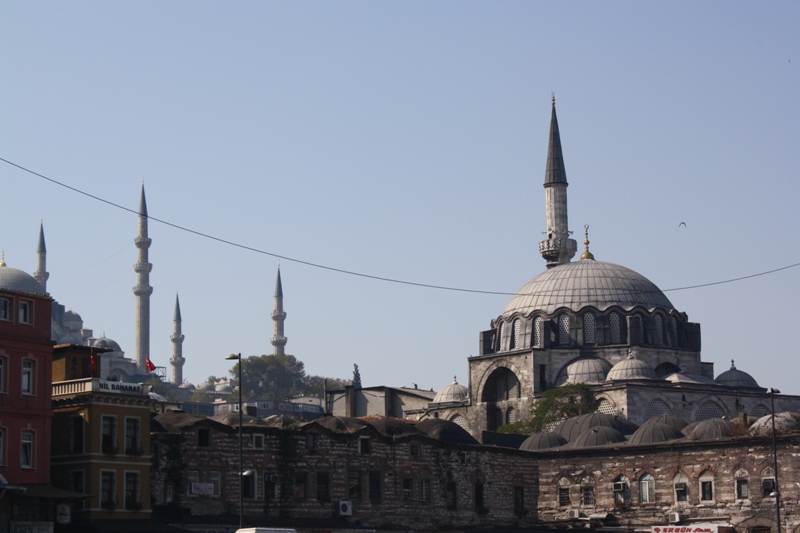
[49, 491]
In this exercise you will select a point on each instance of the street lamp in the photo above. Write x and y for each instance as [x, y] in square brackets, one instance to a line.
[772, 392]
[238, 357]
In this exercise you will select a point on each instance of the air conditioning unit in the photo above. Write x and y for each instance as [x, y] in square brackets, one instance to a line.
[674, 518]
[574, 513]
[344, 508]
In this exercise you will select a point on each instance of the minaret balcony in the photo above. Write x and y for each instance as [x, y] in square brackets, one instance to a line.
[278, 340]
[278, 315]
[176, 338]
[143, 267]
[142, 290]
[142, 242]
[558, 244]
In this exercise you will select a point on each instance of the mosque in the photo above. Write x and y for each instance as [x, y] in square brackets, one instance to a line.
[593, 322]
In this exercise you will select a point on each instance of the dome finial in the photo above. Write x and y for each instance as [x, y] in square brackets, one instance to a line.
[587, 254]
[3, 258]
[553, 93]
[455, 381]
[733, 367]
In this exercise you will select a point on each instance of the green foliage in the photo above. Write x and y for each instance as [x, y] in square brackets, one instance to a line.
[554, 405]
[277, 377]
[201, 396]
[356, 377]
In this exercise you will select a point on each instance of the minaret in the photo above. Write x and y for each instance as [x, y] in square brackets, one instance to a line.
[41, 273]
[279, 316]
[558, 248]
[142, 290]
[177, 360]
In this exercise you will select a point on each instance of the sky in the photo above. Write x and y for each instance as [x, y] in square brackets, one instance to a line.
[402, 140]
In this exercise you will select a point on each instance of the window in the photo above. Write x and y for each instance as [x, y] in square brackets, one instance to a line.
[28, 376]
[323, 487]
[519, 500]
[537, 331]
[132, 498]
[363, 445]
[563, 497]
[258, 441]
[450, 496]
[109, 434]
[3, 374]
[5, 308]
[587, 495]
[767, 482]
[425, 490]
[613, 322]
[300, 485]
[415, 449]
[647, 489]
[742, 489]
[706, 487]
[76, 432]
[375, 486]
[249, 487]
[271, 486]
[515, 334]
[354, 484]
[192, 477]
[311, 441]
[563, 329]
[25, 312]
[408, 489]
[215, 479]
[26, 450]
[622, 490]
[681, 492]
[77, 484]
[589, 329]
[478, 496]
[204, 437]
[133, 445]
[640, 325]
[659, 329]
[108, 489]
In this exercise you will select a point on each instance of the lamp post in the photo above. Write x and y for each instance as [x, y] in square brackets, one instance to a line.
[238, 357]
[772, 392]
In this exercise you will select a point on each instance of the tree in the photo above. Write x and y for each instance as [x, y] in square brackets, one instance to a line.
[316, 385]
[356, 377]
[270, 377]
[555, 405]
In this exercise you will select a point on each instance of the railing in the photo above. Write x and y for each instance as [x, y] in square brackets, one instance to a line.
[87, 385]
[77, 386]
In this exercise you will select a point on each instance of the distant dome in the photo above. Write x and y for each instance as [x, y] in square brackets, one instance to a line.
[105, 342]
[597, 436]
[631, 368]
[446, 431]
[709, 429]
[655, 433]
[16, 280]
[223, 386]
[543, 440]
[737, 379]
[71, 316]
[68, 339]
[587, 283]
[690, 379]
[571, 428]
[157, 397]
[590, 370]
[452, 393]
[205, 386]
[187, 385]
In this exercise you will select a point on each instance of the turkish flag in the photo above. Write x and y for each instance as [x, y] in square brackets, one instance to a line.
[94, 363]
[150, 365]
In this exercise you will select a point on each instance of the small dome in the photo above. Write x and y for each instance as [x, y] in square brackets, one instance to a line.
[16, 280]
[446, 431]
[543, 440]
[105, 342]
[342, 424]
[587, 283]
[395, 427]
[452, 393]
[737, 379]
[654, 433]
[72, 316]
[205, 386]
[597, 436]
[631, 368]
[590, 370]
[571, 428]
[784, 423]
[223, 386]
[670, 420]
[689, 379]
[187, 385]
[709, 429]
[157, 397]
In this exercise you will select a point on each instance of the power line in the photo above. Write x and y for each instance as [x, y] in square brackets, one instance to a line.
[351, 272]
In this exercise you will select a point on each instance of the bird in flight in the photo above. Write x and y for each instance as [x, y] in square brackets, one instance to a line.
[682, 224]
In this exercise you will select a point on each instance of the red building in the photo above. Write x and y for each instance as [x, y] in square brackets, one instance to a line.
[26, 353]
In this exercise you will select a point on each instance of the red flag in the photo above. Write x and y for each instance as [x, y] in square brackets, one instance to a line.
[150, 365]
[94, 363]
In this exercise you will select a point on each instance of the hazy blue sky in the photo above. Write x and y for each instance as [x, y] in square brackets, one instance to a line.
[404, 140]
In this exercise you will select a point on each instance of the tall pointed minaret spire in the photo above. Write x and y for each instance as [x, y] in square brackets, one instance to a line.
[557, 248]
[142, 290]
[41, 273]
[177, 360]
[279, 316]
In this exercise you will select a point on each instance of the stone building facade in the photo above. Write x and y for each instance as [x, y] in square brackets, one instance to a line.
[341, 472]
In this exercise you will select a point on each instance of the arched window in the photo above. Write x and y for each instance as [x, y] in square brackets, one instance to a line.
[673, 326]
[515, 334]
[640, 324]
[707, 486]
[613, 321]
[659, 329]
[461, 421]
[656, 408]
[511, 415]
[564, 499]
[537, 331]
[563, 328]
[767, 483]
[760, 410]
[500, 337]
[587, 492]
[605, 407]
[708, 410]
[742, 480]
[647, 489]
[589, 328]
[681, 485]
[622, 490]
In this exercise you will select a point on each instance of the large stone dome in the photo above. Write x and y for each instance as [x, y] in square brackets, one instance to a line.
[16, 280]
[737, 378]
[452, 393]
[587, 283]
